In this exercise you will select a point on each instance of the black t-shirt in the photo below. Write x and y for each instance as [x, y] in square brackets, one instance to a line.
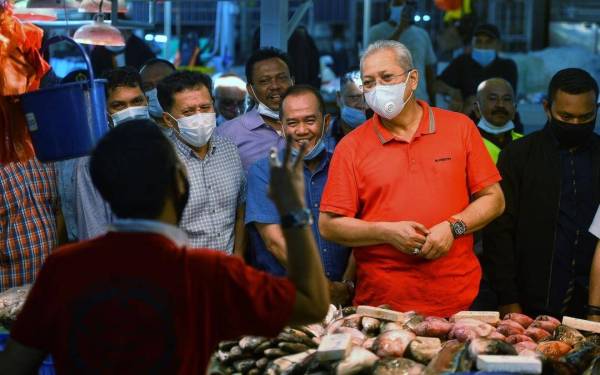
[466, 74]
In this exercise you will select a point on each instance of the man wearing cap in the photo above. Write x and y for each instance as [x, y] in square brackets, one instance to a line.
[460, 78]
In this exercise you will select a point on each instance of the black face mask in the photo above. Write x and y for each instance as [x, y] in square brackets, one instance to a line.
[571, 135]
[181, 201]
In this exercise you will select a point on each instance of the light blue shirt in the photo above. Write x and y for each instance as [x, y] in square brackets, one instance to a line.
[253, 138]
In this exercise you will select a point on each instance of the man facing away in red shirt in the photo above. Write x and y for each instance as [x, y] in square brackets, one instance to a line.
[137, 300]
[406, 189]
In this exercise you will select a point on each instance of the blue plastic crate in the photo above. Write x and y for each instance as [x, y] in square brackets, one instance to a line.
[47, 367]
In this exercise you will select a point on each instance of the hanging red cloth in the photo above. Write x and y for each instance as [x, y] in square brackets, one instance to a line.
[447, 5]
[22, 70]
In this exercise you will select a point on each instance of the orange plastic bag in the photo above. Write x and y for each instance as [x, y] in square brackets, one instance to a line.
[447, 5]
[22, 70]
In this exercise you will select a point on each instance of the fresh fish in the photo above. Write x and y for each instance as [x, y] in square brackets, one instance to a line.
[332, 314]
[358, 360]
[11, 303]
[522, 319]
[414, 321]
[545, 322]
[260, 349]
[369, 343]
[497, 335]
[313, 330]
[593, 339]
[469, 329]
[514, 339]
[244, 365]
[370, 325]
[275, 353]
[287, 364]
[352, 321]
[289, 337]
[582, 356]
[553, 349]
[357, 336]
[568, 335]
[292, 347]
[227, 345]
[436, 327]
[254, 371]
[423, 349]
[509, 328]
[490, 346]
[393, 343]
[594, 368]
[522, 346]
[453, 357]
[537, 334]
[262, 363]
[249, 343]
[397, 366]
[390, 326]
[349, 310]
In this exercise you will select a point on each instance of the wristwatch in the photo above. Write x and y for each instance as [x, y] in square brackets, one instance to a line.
[458, 227]
[297, 218]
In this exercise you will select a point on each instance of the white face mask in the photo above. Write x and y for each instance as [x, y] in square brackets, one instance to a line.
[263, 109]
[130, 113]
[486, 126]
[387, 100]
[196, 129]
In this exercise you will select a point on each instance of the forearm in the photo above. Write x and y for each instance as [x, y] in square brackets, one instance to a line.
[350, 273]
[306, 271]
[349, 231]
[240, 241]
[486, 207]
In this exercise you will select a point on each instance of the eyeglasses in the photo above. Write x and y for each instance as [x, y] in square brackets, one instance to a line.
[386, 79]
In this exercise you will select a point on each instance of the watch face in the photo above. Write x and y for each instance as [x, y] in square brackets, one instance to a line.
[459, 228]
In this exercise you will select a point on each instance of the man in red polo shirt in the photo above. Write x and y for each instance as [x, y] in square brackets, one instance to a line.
[138, 300]
[406, 190]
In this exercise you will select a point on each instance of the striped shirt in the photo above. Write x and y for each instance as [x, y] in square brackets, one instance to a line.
[217, 189]
[28, 206]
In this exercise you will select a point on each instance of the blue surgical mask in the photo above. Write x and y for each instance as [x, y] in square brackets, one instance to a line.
[316, 150]
[154, 107]
[353, 117]
[396, 13]
[483, 57]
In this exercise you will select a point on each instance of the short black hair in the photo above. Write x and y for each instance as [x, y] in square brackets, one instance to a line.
[572, 81]
[156, 61]
[178, 82]
[122, 77]
[262, 54]
[133, 168]
[302, 89]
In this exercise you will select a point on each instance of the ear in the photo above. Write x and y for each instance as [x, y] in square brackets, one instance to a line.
[477, 109]
[547, 108]
[414, 79]
[250, 91]
[169, 121]
[326, 122]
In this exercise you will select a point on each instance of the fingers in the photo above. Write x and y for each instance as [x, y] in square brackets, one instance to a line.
[300, 158]
[419, 227]
[274, 158]
[288, 151]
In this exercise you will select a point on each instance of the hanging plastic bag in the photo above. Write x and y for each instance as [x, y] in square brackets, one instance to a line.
[22, 70]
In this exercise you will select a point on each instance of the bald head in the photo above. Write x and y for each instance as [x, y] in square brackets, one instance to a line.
[496, 101]
[154, 71]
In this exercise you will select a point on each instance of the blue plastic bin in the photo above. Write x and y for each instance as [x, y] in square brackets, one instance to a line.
[47, 367]
[67, 120]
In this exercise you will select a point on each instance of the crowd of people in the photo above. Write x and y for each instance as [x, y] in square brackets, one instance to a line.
[195, 220]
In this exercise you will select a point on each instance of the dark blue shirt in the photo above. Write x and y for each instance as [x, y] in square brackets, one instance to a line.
[574, 245]
[260, 209]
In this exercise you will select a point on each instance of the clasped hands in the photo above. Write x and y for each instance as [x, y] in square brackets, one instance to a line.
[415, 239]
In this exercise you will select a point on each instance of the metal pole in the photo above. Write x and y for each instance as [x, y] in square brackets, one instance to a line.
[167, 25]
[366, 23]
